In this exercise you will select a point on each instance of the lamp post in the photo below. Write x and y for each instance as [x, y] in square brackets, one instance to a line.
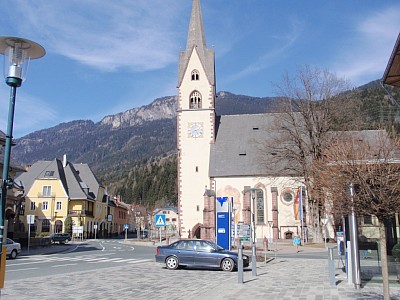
[17, 52]
[253, 192]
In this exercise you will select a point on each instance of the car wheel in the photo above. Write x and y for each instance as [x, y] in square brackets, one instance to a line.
[172, 263]
[66, 241]
[13, 254]
[227, 264]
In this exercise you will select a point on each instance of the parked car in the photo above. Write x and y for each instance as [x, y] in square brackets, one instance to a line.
[13, 248]
[198, 253]
[61, 238]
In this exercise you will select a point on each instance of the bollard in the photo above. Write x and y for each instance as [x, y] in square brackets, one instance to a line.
[253, 260]
[240, 264]
[331, 267]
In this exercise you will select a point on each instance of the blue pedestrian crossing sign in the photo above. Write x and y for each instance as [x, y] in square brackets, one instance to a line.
[160, 220]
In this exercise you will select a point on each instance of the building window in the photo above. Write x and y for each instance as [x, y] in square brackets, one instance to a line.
[46, 226]
[33, 205]
[45, 205]
[173, 219]
[288, 197]
[48, 173]
[195, 75]
[260, 207]
[195, 100]
[197, 169]
[46, 191]
[198, 207]
[58, 205]
[368, 220]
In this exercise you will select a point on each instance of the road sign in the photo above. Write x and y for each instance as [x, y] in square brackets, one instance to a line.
[30, 219]
[243, 230]
[126, 226]
[160, 220]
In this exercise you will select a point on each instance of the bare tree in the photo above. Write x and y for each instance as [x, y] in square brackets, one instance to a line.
[369, 161]
[314, 101]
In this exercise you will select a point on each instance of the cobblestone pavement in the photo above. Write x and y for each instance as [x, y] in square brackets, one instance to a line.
[281, 278]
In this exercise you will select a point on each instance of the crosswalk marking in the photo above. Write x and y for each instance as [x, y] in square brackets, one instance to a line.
[87, 259]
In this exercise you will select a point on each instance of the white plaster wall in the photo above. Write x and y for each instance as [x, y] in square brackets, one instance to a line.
[194, 152]
[233, 187]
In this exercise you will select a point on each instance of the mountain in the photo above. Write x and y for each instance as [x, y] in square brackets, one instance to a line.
[132, 152]
[119, 144]
[134, 135]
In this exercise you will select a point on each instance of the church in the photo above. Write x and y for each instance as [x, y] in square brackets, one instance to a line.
[219, 158]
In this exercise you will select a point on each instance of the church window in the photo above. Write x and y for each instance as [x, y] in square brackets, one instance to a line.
[198, 207]
[260, 207]
[197, 168]
[195, 75]
[195, 100]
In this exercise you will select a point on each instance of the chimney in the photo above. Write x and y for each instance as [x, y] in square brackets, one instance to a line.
[27, 167]
[64, 160]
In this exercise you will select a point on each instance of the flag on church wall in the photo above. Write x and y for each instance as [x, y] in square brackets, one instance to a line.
[296, 204]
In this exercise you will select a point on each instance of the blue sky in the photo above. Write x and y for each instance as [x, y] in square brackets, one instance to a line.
[105, 57]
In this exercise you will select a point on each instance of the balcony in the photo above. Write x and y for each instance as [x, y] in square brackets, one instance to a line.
[82, 213]
[41, 195]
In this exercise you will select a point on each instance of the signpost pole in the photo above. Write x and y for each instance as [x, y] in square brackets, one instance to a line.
[29, 235]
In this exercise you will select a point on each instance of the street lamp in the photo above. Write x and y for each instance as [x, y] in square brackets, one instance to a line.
[17, 52]
[253, 192]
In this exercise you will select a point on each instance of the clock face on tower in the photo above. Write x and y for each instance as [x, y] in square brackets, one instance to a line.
[195, 130]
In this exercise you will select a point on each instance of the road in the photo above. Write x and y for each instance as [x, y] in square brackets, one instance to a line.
[110, 269]
[87, 256]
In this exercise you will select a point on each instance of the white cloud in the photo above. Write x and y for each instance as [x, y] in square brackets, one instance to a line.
[285, 42]
[106, 35]
[30, 112]
[372, 44]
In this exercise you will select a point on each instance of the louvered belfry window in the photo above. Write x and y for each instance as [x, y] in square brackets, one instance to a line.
[195, 100]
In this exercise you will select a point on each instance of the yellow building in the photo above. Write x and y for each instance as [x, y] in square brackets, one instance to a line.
[57, 191]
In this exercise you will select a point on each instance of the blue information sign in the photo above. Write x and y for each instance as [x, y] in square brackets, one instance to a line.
[224, 222]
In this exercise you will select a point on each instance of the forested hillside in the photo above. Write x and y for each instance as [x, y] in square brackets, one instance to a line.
[134, 153]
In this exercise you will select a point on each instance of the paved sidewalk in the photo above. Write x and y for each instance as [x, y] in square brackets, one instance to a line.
[281, 278]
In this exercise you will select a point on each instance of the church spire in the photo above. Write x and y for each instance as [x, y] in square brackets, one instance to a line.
[196, 35]
[196, 40]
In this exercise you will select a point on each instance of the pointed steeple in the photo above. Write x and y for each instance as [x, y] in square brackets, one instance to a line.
[196, 35]
[196, 40]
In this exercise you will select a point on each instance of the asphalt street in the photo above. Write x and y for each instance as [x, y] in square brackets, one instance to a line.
[287, 275]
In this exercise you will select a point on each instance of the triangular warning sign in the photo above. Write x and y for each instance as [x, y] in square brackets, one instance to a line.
[160, 221]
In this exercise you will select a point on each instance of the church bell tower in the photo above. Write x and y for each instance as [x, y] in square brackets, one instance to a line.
[195, 124]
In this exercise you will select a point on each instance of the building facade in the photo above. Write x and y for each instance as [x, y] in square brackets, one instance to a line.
[219, 156]
[56, 191]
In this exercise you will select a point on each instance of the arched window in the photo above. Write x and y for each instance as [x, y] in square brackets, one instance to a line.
[260, 206]
[195, 100]
[195, 75]
[46, 225]
[59, 226]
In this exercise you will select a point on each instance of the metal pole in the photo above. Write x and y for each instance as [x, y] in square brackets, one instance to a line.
[29, 234]
[240, 264]
[354, 245]
[254, 239]
[331, 267]
[6, 163]
[302, 239]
